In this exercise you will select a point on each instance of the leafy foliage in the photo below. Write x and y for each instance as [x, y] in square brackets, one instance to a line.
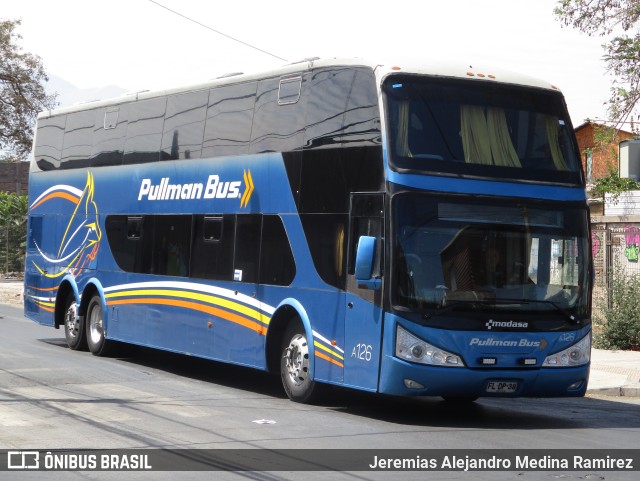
[617, 19]
[13, 231]
[619, 324]
[613, 184]
[22, 94]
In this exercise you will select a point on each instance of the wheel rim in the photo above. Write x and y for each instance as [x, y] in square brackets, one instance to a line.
[96, 331]
[72, 321]
[297, 359]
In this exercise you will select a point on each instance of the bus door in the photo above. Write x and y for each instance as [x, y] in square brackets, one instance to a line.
[364, 314]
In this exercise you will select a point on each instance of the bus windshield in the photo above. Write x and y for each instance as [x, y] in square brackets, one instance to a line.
[479, 129]
[451, 257]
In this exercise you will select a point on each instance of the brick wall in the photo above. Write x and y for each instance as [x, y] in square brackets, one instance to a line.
[602, 157]
[14, 177]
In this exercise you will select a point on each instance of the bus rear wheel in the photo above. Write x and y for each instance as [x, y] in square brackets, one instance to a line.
[98, 344]
[74, 326]
[294, 366]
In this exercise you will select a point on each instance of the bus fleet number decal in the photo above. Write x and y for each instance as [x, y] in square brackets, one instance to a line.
[362, 352]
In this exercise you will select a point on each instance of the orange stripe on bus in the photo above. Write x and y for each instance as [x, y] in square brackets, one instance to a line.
[327, 358]
[214, 311]
[43, 288]
[48, 309]
[61, 195]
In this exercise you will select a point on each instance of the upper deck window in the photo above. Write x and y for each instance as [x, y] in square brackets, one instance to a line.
[479, 129]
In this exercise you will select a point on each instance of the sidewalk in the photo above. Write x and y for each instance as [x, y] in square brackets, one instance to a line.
[613, 373]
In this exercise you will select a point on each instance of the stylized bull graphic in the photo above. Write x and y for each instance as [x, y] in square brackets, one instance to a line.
[81, 239]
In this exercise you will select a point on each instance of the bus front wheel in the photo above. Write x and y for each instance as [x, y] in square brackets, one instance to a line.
[294, 366]
[74, 326]
[98, 344]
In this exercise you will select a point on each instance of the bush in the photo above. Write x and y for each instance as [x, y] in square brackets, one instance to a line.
[13, 231]
[618, 326]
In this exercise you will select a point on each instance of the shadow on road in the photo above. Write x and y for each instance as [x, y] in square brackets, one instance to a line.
[486, 413]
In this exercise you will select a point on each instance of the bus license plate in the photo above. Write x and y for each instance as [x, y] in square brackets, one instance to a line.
[503, 387]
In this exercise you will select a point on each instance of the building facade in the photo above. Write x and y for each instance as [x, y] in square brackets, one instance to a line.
[599, 149]
[14, 177]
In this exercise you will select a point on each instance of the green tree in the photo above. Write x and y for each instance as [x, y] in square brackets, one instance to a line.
[13, 231]
[22, 94]
[617, 20]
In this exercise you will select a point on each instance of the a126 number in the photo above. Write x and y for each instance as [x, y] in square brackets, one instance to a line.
[362, 351]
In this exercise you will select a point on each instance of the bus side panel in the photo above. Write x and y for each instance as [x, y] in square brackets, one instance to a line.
[222, 322]
[326, 314]
[363, 328]
[40, 289]
[322, 304]
[63, 238]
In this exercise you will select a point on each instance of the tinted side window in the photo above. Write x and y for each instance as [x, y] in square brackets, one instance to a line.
[153, 244]
[212, 253]
[78, 139]
[362, 117]
[184, 125]
[247, 255]
[229, 116]
[171, 245]
[130, 240]
[327, 101]
[49, 141]
[144, 131]
[277, 127]
[109, 135]
[244, 248]
[326, 235]
[277, 266]
[366, 219]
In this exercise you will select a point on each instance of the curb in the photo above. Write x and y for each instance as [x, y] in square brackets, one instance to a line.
[622, 391]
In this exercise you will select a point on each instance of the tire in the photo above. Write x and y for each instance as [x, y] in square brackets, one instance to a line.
[74, 326]
[94, 320]
[294, 366]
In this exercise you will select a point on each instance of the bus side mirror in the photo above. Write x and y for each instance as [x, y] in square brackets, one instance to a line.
[365, 259]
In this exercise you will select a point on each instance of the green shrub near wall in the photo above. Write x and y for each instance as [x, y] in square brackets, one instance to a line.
[618, 325]
[13, 232]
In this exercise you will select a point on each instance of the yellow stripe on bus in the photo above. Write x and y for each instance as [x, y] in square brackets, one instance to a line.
[219, 301]
[214, 311]
[325, 348]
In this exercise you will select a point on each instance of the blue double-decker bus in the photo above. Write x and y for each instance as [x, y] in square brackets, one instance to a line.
[414, 231]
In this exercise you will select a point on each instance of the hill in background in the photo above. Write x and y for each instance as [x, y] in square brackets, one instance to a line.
[69, 94]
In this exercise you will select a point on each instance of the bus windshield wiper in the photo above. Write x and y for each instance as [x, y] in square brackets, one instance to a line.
[570, 317]
[452, 305]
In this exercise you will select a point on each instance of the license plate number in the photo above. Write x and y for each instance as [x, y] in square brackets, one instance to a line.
[502, 387]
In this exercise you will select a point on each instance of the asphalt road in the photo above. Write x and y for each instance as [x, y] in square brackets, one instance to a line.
[53, 398]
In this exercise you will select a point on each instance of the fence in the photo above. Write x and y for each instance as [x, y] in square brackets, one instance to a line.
[615, 242]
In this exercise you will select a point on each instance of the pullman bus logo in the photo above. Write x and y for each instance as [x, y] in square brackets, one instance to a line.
[213, 188]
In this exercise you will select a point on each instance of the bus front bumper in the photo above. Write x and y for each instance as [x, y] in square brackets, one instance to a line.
[401, 378]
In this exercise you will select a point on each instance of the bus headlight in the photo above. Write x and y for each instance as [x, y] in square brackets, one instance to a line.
[576, 355]
[412, 349]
